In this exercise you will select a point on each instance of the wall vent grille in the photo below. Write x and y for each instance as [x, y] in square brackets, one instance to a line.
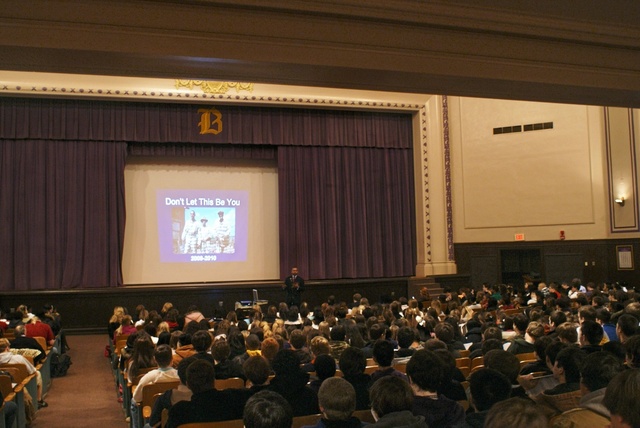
[519, 128]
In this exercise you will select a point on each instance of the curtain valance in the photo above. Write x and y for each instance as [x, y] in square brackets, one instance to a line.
[134, 122]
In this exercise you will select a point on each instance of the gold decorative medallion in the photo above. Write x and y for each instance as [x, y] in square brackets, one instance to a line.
[211, 87]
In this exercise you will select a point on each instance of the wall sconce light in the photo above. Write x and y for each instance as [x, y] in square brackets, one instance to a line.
[619, 200]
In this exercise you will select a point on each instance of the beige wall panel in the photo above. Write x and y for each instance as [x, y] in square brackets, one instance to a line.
[533, 178]
[622, 169]
[536, 182]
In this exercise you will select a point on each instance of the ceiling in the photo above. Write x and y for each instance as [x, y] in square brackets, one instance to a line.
[539, 51]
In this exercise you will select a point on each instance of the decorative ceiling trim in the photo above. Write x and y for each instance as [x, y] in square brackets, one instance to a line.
[194, 91]
[214, 87]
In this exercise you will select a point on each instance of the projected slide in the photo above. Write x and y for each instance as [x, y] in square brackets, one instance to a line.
[202, 226]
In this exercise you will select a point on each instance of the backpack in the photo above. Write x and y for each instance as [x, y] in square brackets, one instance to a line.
[59, 364]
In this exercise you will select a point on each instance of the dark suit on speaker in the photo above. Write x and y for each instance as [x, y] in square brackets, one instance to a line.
[293, 286]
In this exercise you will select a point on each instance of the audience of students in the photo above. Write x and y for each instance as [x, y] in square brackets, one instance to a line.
[567, 337]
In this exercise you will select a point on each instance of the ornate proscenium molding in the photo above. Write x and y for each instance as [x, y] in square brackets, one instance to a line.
[447, 177]
[212, 87]
[424, 120]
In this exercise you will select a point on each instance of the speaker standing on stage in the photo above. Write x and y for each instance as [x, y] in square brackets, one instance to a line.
[293, 286]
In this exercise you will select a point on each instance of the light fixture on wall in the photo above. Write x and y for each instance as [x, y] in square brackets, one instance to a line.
[619, 200]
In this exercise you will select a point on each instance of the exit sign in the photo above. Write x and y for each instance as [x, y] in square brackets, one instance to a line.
[519, 236]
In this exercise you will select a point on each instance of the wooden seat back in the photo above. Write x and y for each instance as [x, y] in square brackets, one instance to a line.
[231, 383]
[540, 374]
[527, 356]
[464, 404]
[300, 421]
[364, 416]
[42, 342]
[466, 371]
[15, 374]
[121, 337]
[237, 423]
[370, 369]
[475, 369]
[151, 392]
[6, 387]
[147, 410]
[18, 371]
[477, 361]
[120, 345]
[463, 362]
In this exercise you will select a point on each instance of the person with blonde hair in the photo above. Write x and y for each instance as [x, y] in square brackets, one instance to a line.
[126, 327]
[163, 327]
[166, 308]
[115, 320]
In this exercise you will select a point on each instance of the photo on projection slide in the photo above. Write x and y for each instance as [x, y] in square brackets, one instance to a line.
[202, 226]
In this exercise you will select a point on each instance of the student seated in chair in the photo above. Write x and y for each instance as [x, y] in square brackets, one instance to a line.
[325, 368]
[566, 395]
[337, 401]
[391, 404]
[488, 387]
[291, 382]
[621, 399]
[23, 342]
[164, 373]
[7, 357]
[383, 355]
[353, 364]
[426, 370]
[267, 409]
[598, 369]
[507, 364]
[516, 412]
[172, 396]
[207, 404]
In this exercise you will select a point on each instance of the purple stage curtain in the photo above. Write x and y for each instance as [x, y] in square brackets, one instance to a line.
[83, 120]
[62, 207]
[346, 212]
[212, 151]
[345, 184]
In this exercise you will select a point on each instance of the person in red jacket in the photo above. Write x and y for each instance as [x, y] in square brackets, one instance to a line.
[38, 328]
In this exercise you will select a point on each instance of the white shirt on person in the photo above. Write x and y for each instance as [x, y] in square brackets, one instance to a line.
[166, 374]
[10, 358]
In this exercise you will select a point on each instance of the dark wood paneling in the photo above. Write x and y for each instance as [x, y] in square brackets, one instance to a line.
[563, 267]
[590, 260]
[484, 269]
[90, 310]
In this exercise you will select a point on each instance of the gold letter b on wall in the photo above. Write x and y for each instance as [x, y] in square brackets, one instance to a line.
[210, 121]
